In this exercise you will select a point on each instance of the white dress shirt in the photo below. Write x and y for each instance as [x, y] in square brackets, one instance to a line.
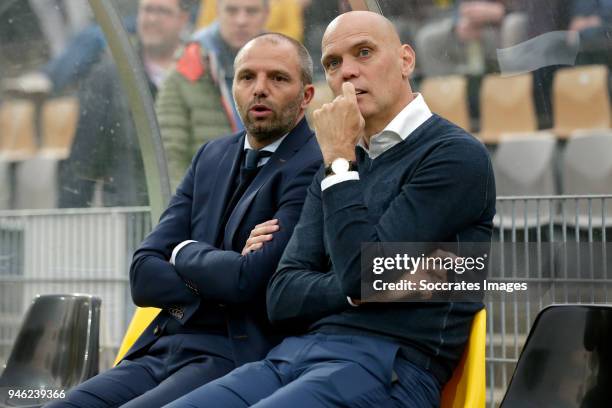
[407, 121]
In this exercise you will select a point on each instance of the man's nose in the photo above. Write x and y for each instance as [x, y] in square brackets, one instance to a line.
[349, 69]
[242, 18]
[260, 87]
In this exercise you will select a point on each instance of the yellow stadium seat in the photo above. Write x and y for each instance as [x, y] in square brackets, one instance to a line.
[447, 96]
[580, 99]
[59, 121]
[17, 129]
[506, 106]
[141, 320]
[467, 386]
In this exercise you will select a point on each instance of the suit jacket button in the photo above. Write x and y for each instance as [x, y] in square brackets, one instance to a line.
[156, 330]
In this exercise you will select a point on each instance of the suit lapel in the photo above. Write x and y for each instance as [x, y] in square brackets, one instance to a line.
[292, 143]
[224, 186]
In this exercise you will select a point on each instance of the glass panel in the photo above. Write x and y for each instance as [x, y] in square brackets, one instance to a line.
[68, 147]
[68, 152]
[67, 133]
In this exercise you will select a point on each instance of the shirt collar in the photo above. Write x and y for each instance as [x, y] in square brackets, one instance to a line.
[401, 126]
[270, 148]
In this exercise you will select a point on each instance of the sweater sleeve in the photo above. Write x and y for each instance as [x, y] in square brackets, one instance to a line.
[304, 289]
[449, 190]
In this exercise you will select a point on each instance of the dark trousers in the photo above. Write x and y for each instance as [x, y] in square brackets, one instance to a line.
[320, 370]
[173, 366]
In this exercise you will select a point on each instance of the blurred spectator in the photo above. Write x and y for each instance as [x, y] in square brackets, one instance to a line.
[195, 103]
[544, 16]
[81, 53]
[105, 148]
[591, 20]
[285, 16]
[60, 20]
[467, 42]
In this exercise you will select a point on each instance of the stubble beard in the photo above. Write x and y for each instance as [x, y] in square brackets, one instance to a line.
[281, 123]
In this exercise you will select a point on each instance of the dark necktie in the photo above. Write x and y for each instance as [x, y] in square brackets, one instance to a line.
[248, 171]
[249, 168]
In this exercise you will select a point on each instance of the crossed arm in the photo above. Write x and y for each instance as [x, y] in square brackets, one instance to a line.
[201, 271]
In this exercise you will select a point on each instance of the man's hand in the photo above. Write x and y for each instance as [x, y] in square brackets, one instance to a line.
[260, 234]
[339, 125]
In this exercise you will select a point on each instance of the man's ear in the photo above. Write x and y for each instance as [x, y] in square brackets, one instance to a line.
[408, 60]
[309, 92]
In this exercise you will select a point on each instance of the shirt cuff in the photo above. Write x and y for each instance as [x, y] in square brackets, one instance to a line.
[329, 181]
[177, 248]
[350, 301]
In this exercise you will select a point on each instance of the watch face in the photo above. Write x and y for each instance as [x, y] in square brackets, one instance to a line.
[340, 166]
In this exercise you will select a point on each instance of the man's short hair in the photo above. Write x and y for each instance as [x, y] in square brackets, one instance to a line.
[306, 66]
[266, 3]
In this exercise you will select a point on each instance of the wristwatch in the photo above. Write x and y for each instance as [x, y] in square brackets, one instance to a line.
[340, 166]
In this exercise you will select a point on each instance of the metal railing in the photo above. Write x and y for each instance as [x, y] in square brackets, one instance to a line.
[551, 226]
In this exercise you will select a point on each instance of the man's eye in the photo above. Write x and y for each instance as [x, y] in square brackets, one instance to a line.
[332, 64]
[364, 52]
[279, 78]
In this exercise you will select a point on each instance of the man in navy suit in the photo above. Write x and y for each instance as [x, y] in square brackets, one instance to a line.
[208, 261]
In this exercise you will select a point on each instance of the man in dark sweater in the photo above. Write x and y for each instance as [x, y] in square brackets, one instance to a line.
[395, 173]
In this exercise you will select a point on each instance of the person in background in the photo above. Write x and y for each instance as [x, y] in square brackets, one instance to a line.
[466, 43]
[286, 16]
[195, 103]
[105, 148]
[591, 20]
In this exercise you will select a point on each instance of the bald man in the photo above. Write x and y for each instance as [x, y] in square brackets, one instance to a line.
[394, 172]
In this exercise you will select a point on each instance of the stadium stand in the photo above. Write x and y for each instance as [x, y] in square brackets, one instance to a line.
[524, 165]
[447, 96]
[587, 169]
[59, 120]
[506, 106]
[581, 99]
[17, 130]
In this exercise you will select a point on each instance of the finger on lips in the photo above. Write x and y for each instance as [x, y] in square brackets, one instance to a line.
[348, 91]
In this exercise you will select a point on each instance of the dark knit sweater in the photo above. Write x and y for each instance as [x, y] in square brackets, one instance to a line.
[435, 186]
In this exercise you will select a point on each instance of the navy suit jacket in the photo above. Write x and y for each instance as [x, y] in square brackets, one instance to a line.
[217, 283]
